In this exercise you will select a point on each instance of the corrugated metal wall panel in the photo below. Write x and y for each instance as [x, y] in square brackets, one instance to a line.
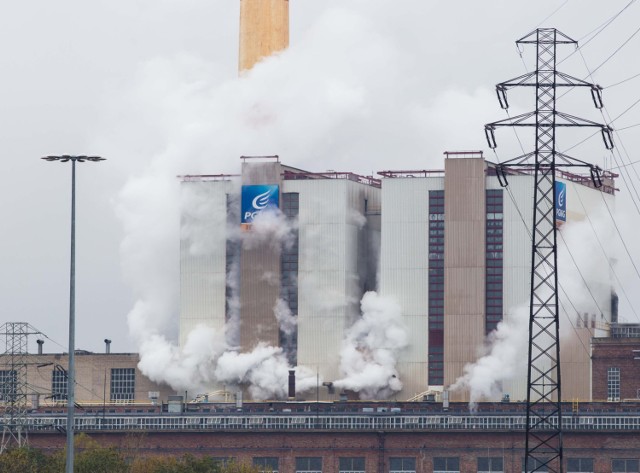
[404, 269]
[203, 255]
[259, 272]
[464, 263]
[330, 223]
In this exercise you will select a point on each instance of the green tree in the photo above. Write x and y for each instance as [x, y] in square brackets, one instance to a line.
[25, 460]
[92, 458]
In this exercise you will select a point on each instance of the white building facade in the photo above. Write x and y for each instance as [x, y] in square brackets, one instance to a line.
[452, 248]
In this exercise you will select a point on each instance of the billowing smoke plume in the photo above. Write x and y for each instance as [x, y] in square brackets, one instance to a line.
[265, 370]
[315, 102]
[287, 321]
[191, 367]
[504, 359]
[269, 228]
[371, 347]
[209, 356]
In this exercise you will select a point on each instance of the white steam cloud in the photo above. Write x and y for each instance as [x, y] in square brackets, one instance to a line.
[371, 347]
[208, 356]
[270, 227]
[265, 370]
[287, 321]
[334, 97]
[504, 359]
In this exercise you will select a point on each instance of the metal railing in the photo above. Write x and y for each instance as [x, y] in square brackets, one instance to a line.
[324, 422]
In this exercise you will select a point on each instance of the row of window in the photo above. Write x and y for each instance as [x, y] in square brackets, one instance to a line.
[493, 259]
[289, 275]
[436, 297]
[440, 465]
[123, 381]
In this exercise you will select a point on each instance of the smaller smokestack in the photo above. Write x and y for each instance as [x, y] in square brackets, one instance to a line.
[40, 343]
[292, 384]
[107, 346]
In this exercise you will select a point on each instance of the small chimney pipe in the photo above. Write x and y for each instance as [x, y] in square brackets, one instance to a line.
[40, 343]
[292, 384]
[107, 346]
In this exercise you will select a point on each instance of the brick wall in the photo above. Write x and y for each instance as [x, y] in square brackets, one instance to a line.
[375, 447]
[615, 353]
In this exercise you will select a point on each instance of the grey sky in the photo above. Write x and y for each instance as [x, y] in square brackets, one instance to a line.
[152, 86]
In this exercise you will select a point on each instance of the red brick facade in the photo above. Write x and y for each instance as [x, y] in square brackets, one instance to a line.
[615, 353]
[376, 447]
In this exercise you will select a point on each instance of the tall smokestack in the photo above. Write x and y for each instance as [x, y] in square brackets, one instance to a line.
[264, 30]
[40, 343]
[107, 346]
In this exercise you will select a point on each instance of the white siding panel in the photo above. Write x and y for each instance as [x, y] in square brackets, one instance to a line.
[329, 288]
[203, 255]
[404, 269]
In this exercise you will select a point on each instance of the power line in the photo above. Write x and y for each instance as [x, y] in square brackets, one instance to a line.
[556, 11]
[621, 239]
[626, 128]
[613, 271]
[599, 30]
[566, 295]
[623, 81]
[616, 51]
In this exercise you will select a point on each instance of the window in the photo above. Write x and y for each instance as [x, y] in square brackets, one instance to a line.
[402, 464]
[446, 464]
[352, 465]
[490, 465]
[289, 275]
[123, 381]
[436, 287]
[493, 258]
[223, 461]
[535, 465]
[579, 465]
[308, 464]
[624, 465]
[59, 384]
[266, 464]
[8, 385]
[613, 384]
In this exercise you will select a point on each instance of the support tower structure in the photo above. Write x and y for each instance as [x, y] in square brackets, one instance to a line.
[13, 383]
[544, 415]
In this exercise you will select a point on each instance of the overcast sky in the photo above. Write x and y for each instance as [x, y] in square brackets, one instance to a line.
[152, 86]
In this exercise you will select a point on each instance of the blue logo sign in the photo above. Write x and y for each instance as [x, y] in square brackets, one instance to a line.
[561, 202]
[255, 199]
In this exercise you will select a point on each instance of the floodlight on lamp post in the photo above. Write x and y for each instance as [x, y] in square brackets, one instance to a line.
[71, 372]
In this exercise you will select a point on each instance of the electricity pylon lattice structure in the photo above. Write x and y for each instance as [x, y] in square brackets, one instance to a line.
[13, 383]
[544, 416]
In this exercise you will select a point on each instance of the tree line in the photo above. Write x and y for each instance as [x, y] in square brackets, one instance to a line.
[90, 457]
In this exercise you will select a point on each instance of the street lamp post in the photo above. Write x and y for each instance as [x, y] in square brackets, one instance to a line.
[71, 373]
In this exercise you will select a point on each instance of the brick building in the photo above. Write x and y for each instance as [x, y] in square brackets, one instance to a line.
[100, 378]
[378, 451]
[616, 364]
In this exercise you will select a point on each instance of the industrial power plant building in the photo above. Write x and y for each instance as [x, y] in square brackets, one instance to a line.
[281, 257]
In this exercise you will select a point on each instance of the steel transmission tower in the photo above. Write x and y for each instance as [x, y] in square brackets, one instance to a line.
[13, 383]
[544, 417]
